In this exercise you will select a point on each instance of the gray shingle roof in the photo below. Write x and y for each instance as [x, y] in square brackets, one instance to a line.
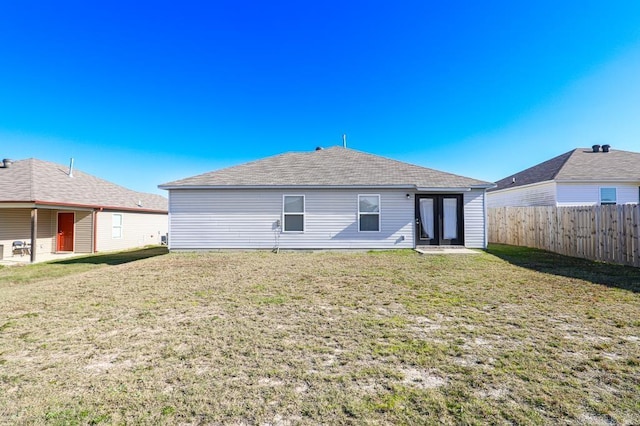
[580, 165]
[34, 180]
[331, 167]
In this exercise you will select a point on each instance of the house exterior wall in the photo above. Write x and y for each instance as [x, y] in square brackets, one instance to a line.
[540, 194]
[15, 225]
[227, 219]
[580, 194]
[45, 238]
[475, 231]
[247, 219]
[83, 233]
[138, 230]
[82, 230]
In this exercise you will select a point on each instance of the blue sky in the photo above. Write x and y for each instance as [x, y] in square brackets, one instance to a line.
[141, 93]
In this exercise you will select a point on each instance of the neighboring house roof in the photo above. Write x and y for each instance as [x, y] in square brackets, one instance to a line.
[332, 167]
[38, 181]
[580, 165]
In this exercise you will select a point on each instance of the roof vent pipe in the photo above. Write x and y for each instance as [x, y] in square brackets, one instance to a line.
[71, 168]
[595, 148]
[344, 140]
[6, 163]
[319, 148]
[605, 148]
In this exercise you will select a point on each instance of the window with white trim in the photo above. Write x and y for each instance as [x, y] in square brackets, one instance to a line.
[608, 196]
[116, 225]
[293, 213]
[369, 213]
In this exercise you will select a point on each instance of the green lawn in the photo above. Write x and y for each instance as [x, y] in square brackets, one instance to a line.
[510, 335]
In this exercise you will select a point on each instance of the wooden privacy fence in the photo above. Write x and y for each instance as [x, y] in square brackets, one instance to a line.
[604, 233]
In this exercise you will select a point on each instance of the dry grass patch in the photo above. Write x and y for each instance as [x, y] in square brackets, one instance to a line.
[510, 336]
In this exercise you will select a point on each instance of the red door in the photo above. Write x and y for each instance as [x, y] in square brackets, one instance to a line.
[65, 231]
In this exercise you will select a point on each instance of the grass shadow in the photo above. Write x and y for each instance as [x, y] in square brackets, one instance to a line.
[115, 258]
[618, 276]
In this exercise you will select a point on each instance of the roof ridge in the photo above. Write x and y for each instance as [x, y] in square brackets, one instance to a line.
[559, 169]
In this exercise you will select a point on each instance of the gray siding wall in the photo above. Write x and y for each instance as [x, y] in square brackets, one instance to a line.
[227, 219]
[216, 219]
[475, 231]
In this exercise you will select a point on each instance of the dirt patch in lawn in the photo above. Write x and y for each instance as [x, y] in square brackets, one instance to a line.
[290, 338]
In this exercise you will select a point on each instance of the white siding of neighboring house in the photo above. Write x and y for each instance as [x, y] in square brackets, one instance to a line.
[539, 194]
[579, 194]
[241, 219]
[474, 219]
[227, 219]
[138, 230]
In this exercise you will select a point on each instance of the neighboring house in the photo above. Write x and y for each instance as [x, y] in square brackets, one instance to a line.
[334, 198]
[583, 176]
[56, 209]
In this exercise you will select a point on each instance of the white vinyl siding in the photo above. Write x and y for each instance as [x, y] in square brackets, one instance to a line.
[203, 219]
[227, 219]
[138, 230]
[541, 194]
[475, 233]
[562, 194]
[575, 194]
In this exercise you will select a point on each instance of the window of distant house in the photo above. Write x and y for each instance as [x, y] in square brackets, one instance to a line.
[608, 196]
[293, 213]
[116, 225]
[369, 213]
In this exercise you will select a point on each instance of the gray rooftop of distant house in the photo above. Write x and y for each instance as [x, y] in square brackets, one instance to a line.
[38, 181]
[331, 167]
[580, 165]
